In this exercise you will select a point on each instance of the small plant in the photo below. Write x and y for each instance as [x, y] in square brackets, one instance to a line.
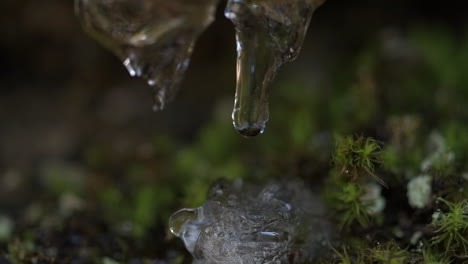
[357, 156]
[388, 253]
[345, 258]
[452, 227]
[430, 257]
[347, 202]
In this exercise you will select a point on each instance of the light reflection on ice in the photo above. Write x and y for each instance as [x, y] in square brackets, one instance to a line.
[249, 224]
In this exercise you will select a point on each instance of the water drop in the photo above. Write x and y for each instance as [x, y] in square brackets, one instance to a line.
[159, 99]
[179, 219]
[153, 38]
[269, 33]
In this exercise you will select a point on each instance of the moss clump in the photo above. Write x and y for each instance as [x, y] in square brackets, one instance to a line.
[388, 253]
[343, 257]
[357, 156]
[452, 228]
[345, 199]
[429, 257]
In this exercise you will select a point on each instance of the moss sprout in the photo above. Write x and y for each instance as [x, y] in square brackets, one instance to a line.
[429, 257]
[452, 227]
[345, 198]
[345, 258]
[388, 253]
[357, 156]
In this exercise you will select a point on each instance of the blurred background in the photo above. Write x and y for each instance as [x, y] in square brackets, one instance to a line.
[88, 171]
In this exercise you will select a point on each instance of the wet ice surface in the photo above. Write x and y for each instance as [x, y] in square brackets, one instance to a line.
[153, 38]
[274, 223]
[269, 33]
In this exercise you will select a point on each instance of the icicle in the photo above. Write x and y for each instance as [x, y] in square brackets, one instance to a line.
[269, 33]
[153, 38]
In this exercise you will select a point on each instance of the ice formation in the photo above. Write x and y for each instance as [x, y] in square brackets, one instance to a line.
[153, 38]
[269, 33]
[246, 224]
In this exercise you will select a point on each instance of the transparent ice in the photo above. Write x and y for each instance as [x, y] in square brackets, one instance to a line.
[269, 33]
[153, 38]
[246, 224]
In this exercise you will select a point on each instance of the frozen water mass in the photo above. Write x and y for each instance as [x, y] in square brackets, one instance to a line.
[250, 224]
[155, 39]
[269, 33]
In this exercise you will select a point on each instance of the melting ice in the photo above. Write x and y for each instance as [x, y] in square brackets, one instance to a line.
[269, 33]
[153, 38]
[274, 223]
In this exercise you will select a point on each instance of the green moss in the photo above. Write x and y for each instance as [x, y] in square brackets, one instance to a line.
[345, 258]
[429, 257]
[388, 253]
[345, 199]
[145, 207]
[107, 260]
[357, 157]
[452, 227]
[60, 178]
[457, 141]
[19, 248]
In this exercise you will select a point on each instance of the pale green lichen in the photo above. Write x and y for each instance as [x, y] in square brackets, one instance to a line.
[465, 176]
[372, 197]
[6, 227]
[419, 191]
[441, 156]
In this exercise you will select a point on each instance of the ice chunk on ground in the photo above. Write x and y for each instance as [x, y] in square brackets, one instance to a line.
[250, 224]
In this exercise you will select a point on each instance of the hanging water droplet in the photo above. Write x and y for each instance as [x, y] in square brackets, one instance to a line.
[179, 219]
[159, 99]
[269, 33]
[153, 38]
